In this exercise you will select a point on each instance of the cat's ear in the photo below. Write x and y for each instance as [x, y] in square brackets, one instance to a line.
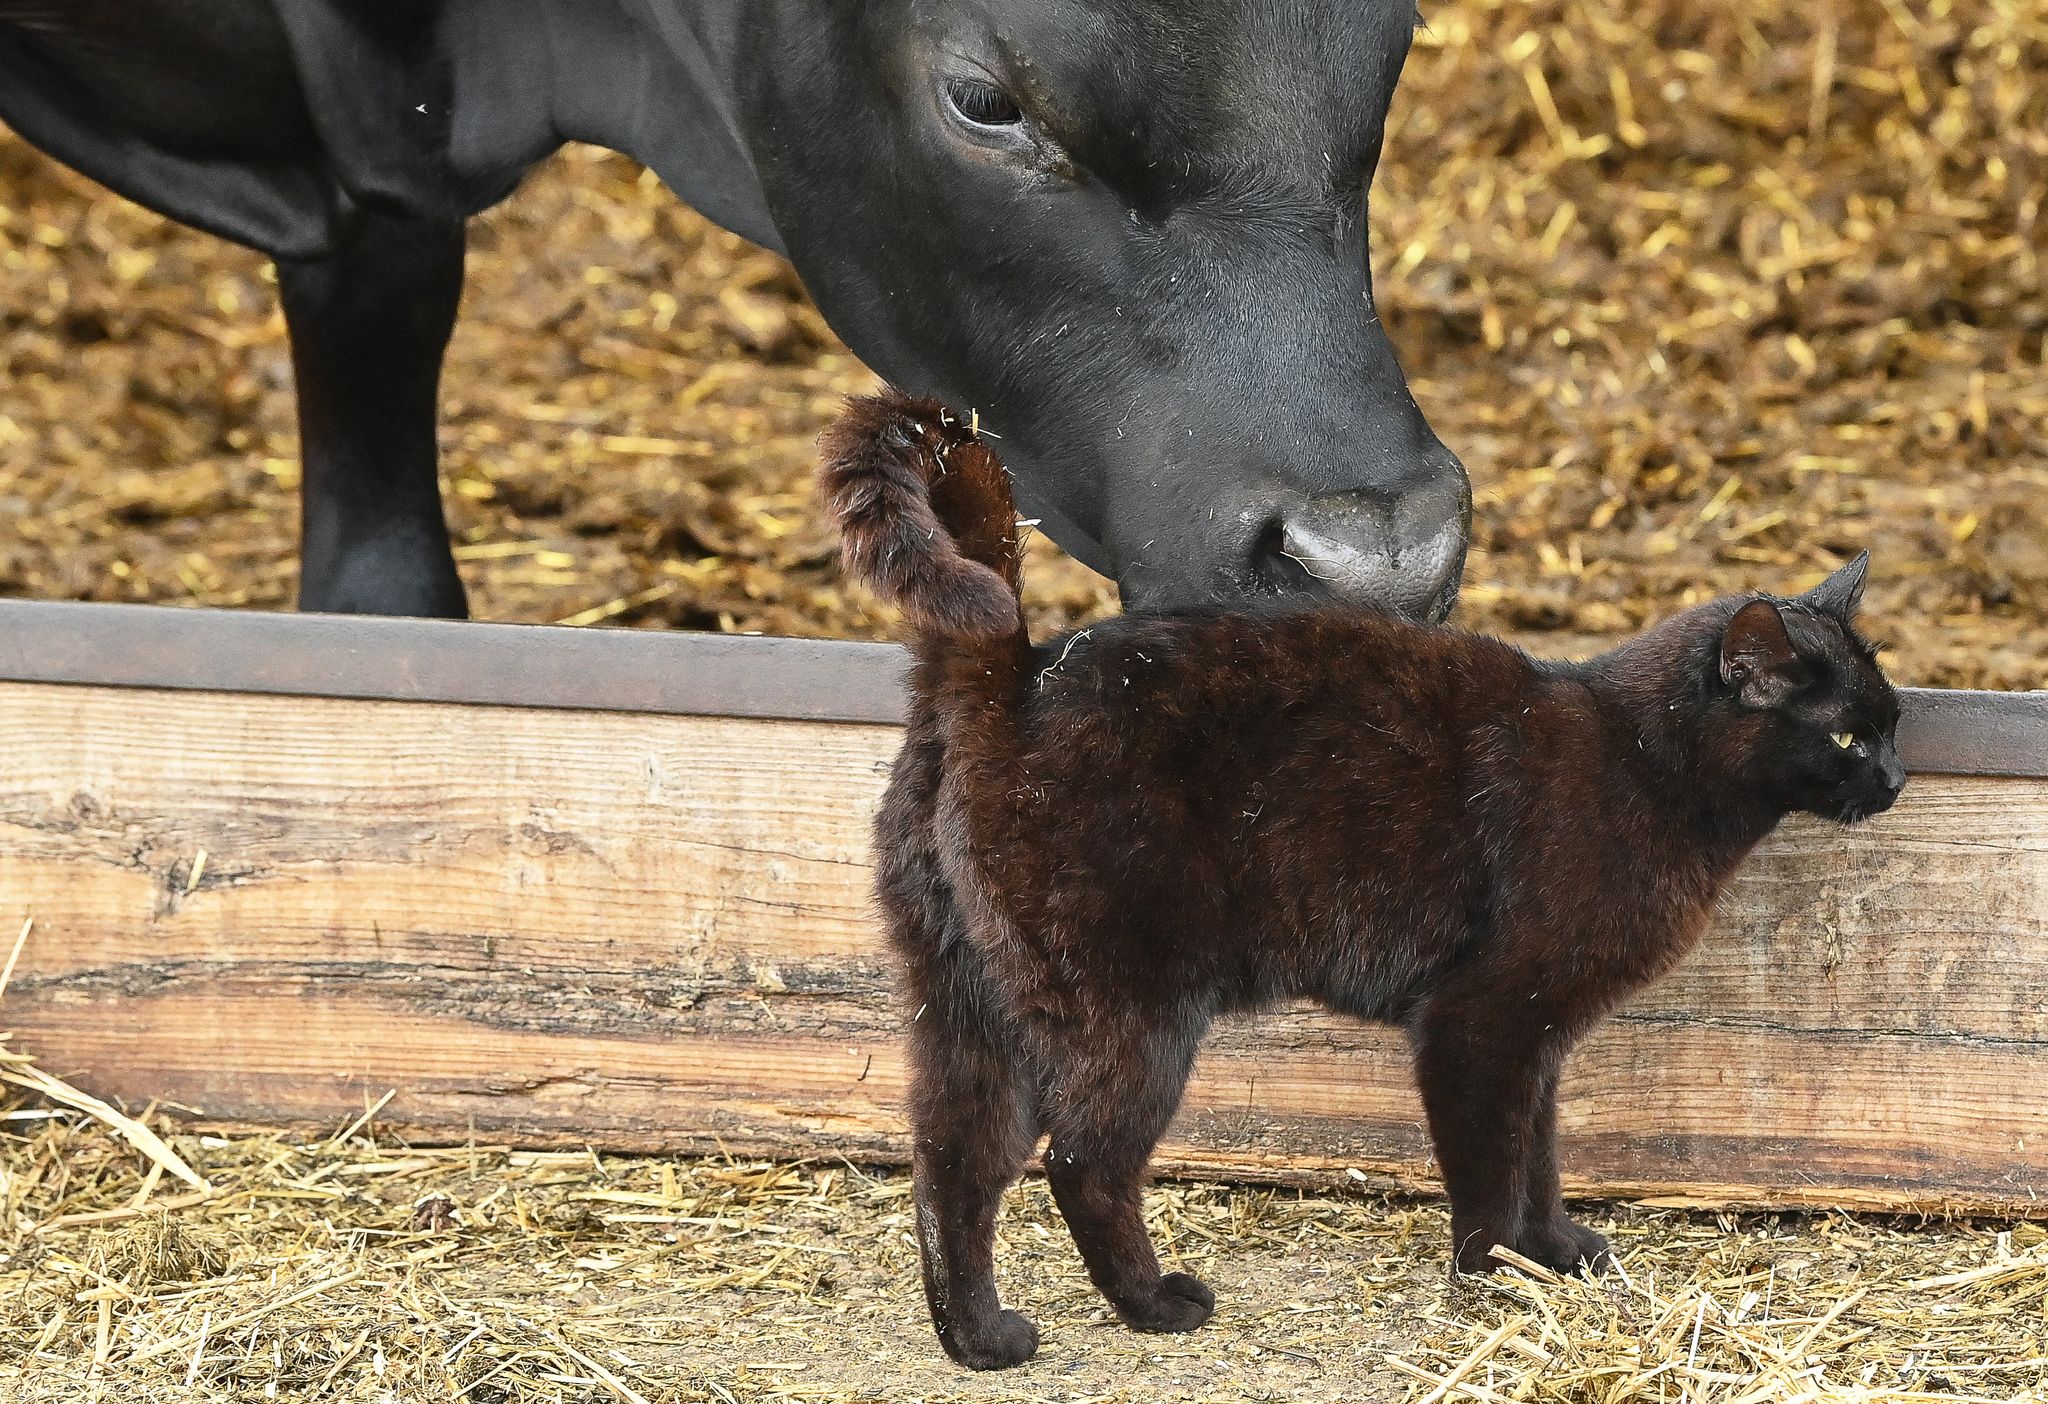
[1757, 656]
[1842, 592]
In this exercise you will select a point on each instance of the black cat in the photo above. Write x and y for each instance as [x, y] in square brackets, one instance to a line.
[1092, 849]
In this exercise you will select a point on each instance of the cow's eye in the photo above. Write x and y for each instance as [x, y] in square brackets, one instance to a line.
[980, 103]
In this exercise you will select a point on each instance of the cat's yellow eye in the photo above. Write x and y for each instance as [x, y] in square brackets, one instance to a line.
[1844, 739]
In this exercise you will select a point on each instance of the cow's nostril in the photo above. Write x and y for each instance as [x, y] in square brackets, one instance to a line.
[1283, 564]
[1358, 548]
[1344, 554]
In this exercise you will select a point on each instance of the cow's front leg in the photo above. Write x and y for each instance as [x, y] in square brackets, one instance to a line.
[369, 325]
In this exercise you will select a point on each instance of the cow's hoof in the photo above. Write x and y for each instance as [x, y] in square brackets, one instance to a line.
[1181, 1303]
[1005, 1339]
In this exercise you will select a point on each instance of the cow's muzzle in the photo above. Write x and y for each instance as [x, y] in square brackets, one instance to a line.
[1402, 551]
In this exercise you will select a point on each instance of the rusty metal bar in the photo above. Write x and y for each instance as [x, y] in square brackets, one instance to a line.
[635, 670]
[1974, 733]
[436, 660]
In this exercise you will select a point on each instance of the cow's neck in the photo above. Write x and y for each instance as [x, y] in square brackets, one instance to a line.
[657, 80]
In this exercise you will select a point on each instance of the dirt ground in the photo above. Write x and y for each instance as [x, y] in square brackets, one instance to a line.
[1706, 298]
[344, 1269]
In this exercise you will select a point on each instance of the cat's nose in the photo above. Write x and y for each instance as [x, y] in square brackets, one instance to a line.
[1893, 771]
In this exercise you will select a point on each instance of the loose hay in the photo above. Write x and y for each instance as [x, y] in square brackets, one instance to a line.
[19, 1070]
[1707, 296]
[311, 1273]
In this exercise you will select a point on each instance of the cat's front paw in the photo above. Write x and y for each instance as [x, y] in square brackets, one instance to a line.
[1567, 1248]
[1473, 1255]
[1008, 1338]
[1180, 1303]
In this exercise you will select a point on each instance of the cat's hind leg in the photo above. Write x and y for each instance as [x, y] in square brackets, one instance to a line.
[971, 1118]
[1107, 1102]
[972, 1100]
[971, 1113]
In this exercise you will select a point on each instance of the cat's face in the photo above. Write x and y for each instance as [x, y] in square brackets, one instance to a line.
[1823, 717]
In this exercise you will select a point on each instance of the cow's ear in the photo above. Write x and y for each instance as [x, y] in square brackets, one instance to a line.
[1841, 593]
[1758, 659]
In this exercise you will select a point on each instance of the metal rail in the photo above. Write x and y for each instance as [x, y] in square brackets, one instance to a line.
[633, 670]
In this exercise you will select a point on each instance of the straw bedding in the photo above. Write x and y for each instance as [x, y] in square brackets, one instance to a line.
[356, 1269]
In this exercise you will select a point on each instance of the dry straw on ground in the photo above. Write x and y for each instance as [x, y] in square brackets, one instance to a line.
[353, 1269]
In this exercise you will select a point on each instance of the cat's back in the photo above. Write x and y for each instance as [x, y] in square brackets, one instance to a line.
[1264, 788]
[1328, 666]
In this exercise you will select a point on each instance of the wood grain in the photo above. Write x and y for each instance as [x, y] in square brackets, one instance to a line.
[653, 932]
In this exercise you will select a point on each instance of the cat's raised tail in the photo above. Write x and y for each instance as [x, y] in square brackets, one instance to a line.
[925, 516]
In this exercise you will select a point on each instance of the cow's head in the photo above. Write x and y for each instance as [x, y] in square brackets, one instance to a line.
[1132, 235]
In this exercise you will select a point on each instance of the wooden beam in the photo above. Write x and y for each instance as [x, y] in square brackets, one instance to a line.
[634, 670]
[632, 929]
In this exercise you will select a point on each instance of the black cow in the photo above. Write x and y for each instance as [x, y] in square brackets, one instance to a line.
[1130, 232]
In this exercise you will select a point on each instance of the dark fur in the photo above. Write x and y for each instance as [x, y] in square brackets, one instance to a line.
[1092, 849]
